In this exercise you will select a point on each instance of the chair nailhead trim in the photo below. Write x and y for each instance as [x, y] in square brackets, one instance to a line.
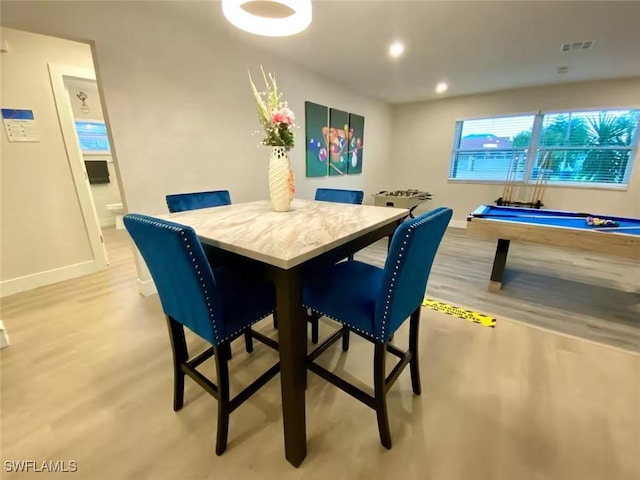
[197, 269]
[392, 282]
[390, 293]
[246, 326]
[366, 334]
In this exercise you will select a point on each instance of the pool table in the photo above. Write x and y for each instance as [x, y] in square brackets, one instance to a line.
[550, 227]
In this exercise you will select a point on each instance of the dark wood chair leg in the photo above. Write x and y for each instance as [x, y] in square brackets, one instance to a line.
[345, 339]
[414, 325]
[379, 372]
[224, 408]
[275, 320]
[180, 356]
[315, 327]
[248, 341]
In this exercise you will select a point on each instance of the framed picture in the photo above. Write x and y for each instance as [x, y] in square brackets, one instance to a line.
[316, 120]
[337, 137]
[356, 144]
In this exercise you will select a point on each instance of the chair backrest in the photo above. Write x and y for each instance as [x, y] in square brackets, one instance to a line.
[406, 270]
[181, 202]
[339, 196]
[182, 275]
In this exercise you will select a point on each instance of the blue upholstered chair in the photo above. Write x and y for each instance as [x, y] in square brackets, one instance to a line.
[339, 196]
[378, 302]
[181, 202]
[218, 305]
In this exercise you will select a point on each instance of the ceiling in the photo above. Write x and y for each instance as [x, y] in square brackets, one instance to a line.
[475, 46]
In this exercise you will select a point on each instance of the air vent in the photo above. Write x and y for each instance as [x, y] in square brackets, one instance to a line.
[567, 47]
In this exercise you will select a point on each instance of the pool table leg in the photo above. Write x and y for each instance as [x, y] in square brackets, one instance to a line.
[499, 262]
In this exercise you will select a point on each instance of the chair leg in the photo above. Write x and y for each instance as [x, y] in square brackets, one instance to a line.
[180, 356]
[379, 372]
[275, 320]
[248, 341]
[224, 408]
[315, 327]
[414, 324]
[345, 339]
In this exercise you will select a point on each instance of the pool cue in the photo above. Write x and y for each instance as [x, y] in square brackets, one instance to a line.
[505, 190]
[536, 188]
[508, 185]
[542, 178]
[545, 180]
[336, 168]
[512, 178]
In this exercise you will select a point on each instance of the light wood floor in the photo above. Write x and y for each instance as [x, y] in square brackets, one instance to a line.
[88, 378]
[591, 296]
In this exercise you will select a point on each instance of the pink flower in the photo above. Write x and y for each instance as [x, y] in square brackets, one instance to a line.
[283, 115]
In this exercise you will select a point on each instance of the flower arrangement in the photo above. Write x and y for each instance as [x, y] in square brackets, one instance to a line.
[274, 114]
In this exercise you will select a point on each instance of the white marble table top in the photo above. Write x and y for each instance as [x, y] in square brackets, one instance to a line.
[284, 239]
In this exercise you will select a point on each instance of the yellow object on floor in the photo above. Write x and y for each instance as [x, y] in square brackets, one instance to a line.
[475, 317]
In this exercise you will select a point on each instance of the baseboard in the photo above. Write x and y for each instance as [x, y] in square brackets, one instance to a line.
[458, 223]
[146, 288]
[40, 279]
[108, 222]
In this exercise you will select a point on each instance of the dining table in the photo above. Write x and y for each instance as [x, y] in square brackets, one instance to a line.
[288, 246]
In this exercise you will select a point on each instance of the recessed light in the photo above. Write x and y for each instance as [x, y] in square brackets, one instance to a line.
[396, 49]
[441, 87]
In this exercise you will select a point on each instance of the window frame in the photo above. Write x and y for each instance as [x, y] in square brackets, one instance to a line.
[534, 147]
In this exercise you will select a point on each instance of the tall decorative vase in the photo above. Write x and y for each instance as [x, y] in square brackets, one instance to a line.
[281, 182]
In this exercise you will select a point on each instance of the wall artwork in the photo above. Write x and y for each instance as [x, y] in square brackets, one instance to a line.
[354, 154]
[334, 141]
[316, 120]
[337, 140]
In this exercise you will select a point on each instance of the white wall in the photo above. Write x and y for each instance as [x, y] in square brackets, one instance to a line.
[423, 135]
[179, 104]
[107, 193]
[42, 227]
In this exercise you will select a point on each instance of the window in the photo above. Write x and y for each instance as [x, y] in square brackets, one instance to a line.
[589, 148]
[92, 136]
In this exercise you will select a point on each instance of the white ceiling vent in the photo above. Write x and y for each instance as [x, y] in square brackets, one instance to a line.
[567, 47]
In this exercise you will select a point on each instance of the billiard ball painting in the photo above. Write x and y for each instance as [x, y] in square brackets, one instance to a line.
[316, 118]
[334, 141]
[337, 139]
[356, 138]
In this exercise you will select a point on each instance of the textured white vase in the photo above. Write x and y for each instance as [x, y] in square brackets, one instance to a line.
[281, 187]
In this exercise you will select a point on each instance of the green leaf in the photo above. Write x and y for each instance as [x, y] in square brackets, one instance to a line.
[263, 113]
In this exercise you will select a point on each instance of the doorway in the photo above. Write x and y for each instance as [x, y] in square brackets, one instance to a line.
[87, 141]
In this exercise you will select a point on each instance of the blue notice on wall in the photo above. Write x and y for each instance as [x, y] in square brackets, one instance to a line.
[93, 136]
[20, 125]
[14, 114]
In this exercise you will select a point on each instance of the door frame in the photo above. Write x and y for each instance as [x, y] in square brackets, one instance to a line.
[57, 72]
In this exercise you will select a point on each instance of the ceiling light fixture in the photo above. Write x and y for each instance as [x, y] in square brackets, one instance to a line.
[270, 18]
[441, 87]
[396, 49]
